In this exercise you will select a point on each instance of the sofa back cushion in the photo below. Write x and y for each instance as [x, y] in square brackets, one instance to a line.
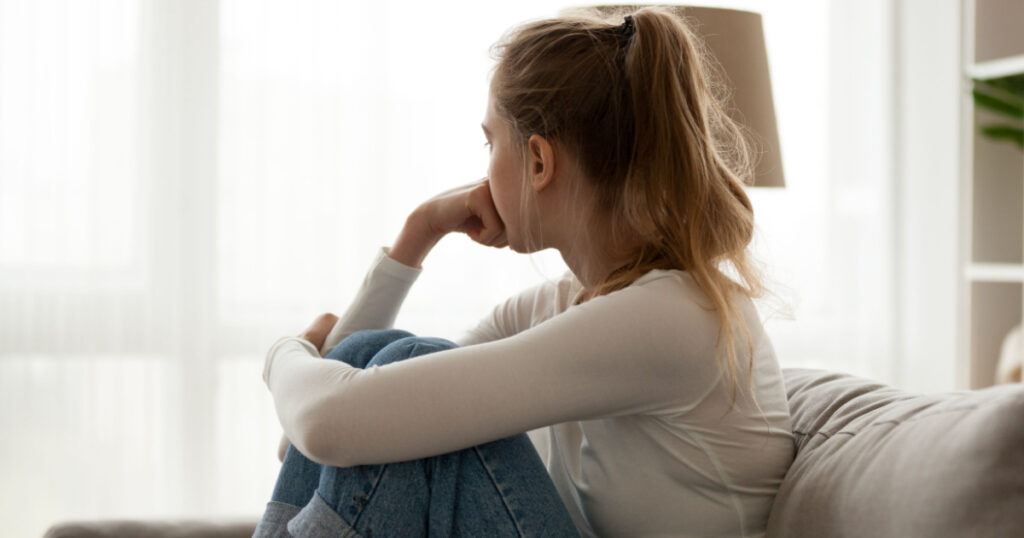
[873, 460]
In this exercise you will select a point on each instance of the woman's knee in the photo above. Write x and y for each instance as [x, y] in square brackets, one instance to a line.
[359, 347]
[408, 347]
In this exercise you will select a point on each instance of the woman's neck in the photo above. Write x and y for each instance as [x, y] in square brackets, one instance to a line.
[592, 254]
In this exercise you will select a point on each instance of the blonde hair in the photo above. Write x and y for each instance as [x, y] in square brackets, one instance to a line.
[644, 115]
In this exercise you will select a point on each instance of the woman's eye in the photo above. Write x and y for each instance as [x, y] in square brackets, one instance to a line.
[487, 144]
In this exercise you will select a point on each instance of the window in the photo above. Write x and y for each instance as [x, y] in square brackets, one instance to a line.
[183, 182]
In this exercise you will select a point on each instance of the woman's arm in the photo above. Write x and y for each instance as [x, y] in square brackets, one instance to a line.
[638, 350]
[468, 209]
[315, 335]
[377, 302]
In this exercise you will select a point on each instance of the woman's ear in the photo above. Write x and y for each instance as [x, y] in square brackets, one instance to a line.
[542, 162]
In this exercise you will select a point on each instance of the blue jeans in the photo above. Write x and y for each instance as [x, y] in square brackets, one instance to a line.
[495, 489]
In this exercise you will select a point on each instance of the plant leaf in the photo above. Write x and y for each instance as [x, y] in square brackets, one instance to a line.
[996, 104]
[1013, 85]
[1010, 89]
[1005, 132]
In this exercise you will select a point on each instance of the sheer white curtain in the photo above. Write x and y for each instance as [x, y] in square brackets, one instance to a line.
[182, 182]
[827, 238]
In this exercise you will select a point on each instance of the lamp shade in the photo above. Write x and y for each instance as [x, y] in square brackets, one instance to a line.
[736, 39]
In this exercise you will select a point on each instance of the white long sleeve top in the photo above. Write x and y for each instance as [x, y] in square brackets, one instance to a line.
[626, 386]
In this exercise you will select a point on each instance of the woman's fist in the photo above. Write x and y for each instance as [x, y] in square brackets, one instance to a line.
[317, 332]
[468, 209]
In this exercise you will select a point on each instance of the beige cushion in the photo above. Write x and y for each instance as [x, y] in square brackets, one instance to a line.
[873, 460]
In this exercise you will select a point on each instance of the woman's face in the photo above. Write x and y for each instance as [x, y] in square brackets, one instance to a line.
[506, 175]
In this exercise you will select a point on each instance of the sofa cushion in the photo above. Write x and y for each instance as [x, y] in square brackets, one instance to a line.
[873, 460]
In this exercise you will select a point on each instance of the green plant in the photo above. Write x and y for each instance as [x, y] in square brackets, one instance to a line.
[1004, 96]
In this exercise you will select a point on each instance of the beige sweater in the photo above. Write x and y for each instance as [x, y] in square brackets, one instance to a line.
[627, 385]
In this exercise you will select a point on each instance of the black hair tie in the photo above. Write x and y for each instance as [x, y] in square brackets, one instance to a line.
[628, 28]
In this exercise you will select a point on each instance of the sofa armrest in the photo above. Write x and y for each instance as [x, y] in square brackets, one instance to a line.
[874, 460]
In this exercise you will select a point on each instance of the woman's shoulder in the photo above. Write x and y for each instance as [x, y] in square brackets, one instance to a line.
[661, 291]
[671, 303]
[682, 288]
[664, 300]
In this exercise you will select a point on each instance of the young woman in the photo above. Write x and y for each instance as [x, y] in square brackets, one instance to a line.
[663, 401]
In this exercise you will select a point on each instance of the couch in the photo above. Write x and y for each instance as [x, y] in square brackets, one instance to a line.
[872, 460]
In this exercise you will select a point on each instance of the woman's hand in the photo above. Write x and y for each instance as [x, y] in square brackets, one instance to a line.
[468, 209]
[317, 332]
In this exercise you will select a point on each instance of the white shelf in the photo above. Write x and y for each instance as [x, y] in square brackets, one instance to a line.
[992, 210]
[997, 68]
[995, 272]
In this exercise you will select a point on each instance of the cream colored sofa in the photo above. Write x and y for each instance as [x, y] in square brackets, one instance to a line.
[872, 461]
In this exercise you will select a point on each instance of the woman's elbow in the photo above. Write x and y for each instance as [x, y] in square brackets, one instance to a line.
[320, 443]
[317, 449]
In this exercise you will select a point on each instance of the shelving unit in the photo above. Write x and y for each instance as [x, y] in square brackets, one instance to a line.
[992, 211]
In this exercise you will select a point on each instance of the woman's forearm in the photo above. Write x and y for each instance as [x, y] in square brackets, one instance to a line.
[414, 242]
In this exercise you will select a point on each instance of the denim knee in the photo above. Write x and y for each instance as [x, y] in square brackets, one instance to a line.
[366, 344]
[408, 347]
